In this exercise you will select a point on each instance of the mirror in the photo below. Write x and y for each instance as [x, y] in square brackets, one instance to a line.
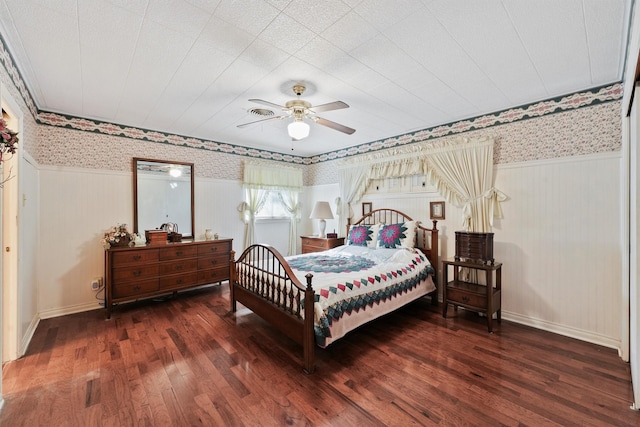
[162, 193]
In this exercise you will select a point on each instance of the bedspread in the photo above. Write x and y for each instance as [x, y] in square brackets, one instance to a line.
[351, 279]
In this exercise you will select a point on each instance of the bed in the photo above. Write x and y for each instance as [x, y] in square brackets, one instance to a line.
[318, 298]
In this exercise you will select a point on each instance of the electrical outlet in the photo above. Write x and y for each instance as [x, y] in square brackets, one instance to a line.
[95, 284]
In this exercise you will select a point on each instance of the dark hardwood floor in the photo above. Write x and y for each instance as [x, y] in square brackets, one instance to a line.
[189, 362]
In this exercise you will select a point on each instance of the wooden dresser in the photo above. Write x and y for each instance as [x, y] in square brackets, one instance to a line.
[319, 244]
[148, 271]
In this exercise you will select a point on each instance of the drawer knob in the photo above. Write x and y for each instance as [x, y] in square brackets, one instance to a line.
[137, 273]
[213, 261]
[465, 299]
[137, 257]
[178, 267]
[179, 281]
[137, 288]
[179, 253]
[214, 249]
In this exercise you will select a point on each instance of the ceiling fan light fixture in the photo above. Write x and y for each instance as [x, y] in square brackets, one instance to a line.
[298, 129]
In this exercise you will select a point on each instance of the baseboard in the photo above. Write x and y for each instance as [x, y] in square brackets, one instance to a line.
[26, 338]
[578, 334]
[72, 309]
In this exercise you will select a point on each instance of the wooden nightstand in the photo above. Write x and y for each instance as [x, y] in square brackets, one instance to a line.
[319, 244]
[476, 297]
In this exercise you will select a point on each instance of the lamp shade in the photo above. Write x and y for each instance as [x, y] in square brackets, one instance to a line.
[298, 130]
[321, 210]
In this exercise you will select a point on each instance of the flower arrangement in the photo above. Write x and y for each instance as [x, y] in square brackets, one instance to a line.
[117, 236]
[8, 140]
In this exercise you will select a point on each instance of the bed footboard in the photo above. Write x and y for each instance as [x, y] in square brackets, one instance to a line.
[262, 281]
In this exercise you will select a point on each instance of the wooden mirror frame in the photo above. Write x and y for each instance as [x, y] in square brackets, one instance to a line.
[136, 161]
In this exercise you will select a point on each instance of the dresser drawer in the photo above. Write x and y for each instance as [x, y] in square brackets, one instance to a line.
[177, 281]
[133, 257]
[178, 266]
[177, 251]
[134, 273]
[133, 289]
[213, 248]
[213, 262]
[213, 275]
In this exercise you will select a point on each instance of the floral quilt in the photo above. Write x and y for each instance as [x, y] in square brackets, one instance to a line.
[348, 279]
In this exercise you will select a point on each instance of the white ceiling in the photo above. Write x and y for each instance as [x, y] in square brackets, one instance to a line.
[189, 66]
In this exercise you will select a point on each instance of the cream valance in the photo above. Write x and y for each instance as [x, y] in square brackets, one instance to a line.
[461, 169]
[260, 175]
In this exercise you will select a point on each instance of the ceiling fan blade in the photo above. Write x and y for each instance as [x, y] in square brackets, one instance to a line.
[334, 125]
[262, 120]
[267, 103]
[337, 105]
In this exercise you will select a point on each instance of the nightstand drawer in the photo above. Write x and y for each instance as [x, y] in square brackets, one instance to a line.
[467, 298]
[319, 244]
[315, 243]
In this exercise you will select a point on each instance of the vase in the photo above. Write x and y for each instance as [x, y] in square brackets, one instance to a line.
[208, 234]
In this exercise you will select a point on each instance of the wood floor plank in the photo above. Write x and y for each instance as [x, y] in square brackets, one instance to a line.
[189, 361]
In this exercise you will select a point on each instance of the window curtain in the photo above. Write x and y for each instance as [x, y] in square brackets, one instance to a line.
[255, 199]
[258, 178]
[290, 201]
[464, 176]
[461, 169]
[353, 181]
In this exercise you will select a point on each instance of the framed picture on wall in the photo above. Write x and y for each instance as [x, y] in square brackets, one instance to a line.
[366, 208]
[437, 210]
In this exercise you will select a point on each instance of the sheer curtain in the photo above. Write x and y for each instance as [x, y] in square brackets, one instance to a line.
[290, 201]
[255, 199]
[353, 181]
[260, 177]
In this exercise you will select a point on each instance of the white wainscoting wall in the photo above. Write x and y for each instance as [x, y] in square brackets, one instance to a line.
[559, 242]
[78, 205]
[561, 247]
[559, 239]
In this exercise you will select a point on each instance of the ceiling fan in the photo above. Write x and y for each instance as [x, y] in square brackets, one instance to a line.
[299, 110]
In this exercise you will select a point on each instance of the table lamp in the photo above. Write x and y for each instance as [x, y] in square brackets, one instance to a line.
[322, 211]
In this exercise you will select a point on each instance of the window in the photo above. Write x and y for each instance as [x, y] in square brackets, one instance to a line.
[272, 208]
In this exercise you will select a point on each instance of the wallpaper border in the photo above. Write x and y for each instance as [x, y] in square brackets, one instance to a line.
[587, 98]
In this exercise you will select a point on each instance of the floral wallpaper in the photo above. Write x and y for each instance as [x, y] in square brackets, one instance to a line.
[582, 123]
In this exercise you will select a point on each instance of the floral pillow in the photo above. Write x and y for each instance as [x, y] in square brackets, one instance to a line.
[359, 235]
[362, 235]
[400, 235]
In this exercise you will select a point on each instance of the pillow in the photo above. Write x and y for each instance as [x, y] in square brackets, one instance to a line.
[400, 235]
[363, 235]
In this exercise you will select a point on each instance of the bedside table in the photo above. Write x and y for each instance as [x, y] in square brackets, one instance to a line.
[472, 296]
[319, 244]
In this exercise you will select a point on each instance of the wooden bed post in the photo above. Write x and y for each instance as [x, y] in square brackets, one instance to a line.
[232, 280]
[435, 248]
[309, 336]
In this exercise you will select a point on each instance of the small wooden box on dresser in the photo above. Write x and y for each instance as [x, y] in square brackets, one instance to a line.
[319, 244]
[148, 271]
